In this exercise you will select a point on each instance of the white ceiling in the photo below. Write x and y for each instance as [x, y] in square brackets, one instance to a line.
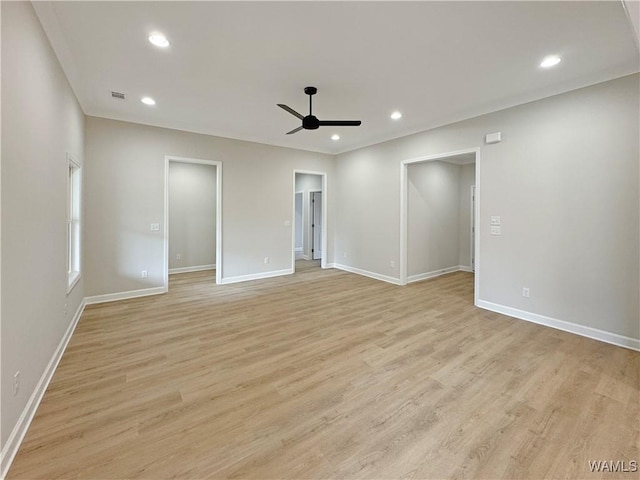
[229, 63]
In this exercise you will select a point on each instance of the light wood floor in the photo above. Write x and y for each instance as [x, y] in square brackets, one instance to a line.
[325, 374]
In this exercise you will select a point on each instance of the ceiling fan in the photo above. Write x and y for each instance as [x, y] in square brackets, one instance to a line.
[311, 122]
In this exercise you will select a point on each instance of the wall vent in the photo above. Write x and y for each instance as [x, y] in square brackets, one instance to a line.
[119, 95]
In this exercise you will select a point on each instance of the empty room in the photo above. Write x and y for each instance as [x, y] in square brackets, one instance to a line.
[320, 240]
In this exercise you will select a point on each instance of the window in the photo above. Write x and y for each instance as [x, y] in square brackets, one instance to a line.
[73, 222]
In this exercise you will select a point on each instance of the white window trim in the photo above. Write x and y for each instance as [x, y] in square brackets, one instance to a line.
[73, 276]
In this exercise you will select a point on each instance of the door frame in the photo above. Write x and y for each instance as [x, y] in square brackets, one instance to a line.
[323, 260]
[312, 219]
[198, 161]
[472, 196]
[294, 225]
[404, 204]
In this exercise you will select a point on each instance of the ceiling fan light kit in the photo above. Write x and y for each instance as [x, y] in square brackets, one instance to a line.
[311, 122]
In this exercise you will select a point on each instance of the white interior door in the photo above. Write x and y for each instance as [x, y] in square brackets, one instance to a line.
[316, 225]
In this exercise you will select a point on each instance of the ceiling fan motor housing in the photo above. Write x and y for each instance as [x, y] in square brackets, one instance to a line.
[310, 122]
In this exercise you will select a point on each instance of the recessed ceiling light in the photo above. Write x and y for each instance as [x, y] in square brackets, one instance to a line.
[550, 61]
[159, 40]
[335, 136]
[148, 101]
[396, 115]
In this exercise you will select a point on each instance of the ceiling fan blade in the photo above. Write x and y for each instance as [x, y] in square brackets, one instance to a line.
[290, 110]
[340, 123]
[294, 130]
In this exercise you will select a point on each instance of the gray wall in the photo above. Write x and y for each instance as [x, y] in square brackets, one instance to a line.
[438, 216]
[41, 122]
[192, 215]
[565, 181]
[124, 173]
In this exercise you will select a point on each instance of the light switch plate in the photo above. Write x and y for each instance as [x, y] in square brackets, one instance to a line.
[495, 220]
[495, 231]
[155, 227]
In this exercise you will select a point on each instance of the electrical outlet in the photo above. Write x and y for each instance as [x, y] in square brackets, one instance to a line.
[525, 292]
[179, 256]
[144, 274]
[266, 260]
[345, 255]
[392, 264]
[16, 383]
[155, 227]
[66, 309]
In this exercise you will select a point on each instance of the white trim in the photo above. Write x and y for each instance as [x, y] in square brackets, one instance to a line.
[476, 237]
[74, 279]
[113, 297]
[74, 275]
[256, 276]
[196, 268]
[437, 273]
[404, 207]
[404, 201]
[366, 273]
[582, 330]
[14, 441]
[299, 251]
[218, 165]
[472, 231]
[325, 215]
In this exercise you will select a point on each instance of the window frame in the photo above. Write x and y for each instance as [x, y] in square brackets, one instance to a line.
[74, 223]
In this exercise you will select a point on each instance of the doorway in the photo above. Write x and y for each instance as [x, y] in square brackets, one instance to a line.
[192, 216]
[439, 215]
[309, 219]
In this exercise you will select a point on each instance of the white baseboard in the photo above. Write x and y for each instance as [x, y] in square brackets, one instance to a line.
[112, 297]
[464, 268]
[582, 330]
[197, 268]
[433, 274]
[14, 441]
[365, 273]
[256, 276]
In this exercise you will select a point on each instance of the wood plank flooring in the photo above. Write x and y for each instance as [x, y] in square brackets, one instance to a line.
[326, 374]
